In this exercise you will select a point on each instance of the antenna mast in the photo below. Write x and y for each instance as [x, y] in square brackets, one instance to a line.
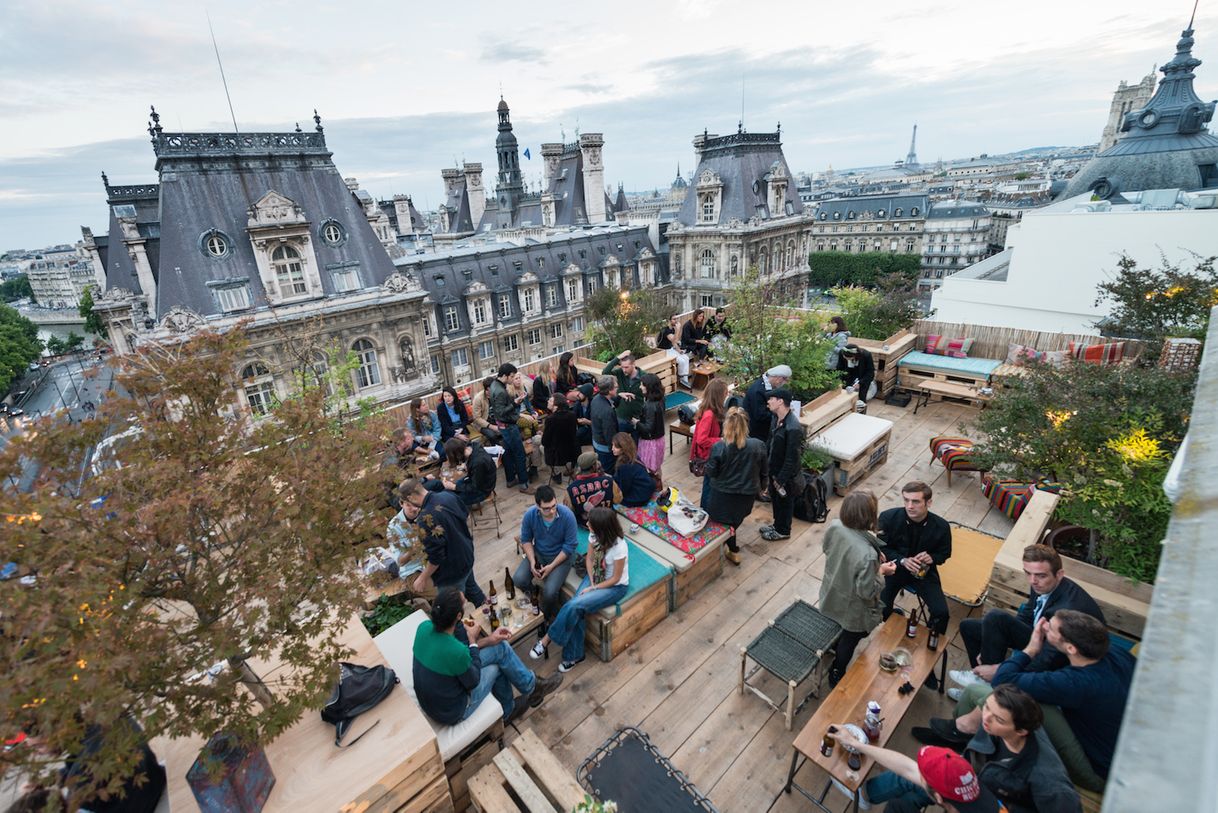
[223, 80]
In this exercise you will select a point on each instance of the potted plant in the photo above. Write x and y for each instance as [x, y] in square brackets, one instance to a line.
[817, 461]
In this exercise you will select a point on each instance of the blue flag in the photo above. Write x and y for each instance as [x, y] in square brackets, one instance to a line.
[526, 154]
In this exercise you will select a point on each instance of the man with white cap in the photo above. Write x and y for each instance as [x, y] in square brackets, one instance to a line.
[757, 397]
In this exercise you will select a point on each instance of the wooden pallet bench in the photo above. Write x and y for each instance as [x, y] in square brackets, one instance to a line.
[525, 776]
[858, 444]
[886, 354]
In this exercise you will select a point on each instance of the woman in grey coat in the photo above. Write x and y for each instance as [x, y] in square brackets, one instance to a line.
[854, 571]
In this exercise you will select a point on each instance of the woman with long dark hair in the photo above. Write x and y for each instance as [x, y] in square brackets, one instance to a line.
[631, 476]
[559, 438]
[708, 428]
[693, 335]
[606, 583]
[735, 472]
[454, 417]
[651, 424]
[565, 378]
[425, 426]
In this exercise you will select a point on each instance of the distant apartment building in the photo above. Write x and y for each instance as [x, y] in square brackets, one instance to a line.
[59, 275]
[889, 223]
[957, 234]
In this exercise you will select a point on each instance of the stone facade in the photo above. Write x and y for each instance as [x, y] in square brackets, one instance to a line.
[1126, 99]
[957, 235]
[889, 223]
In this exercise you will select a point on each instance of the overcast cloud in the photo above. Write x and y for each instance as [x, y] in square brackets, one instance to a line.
[407, 89]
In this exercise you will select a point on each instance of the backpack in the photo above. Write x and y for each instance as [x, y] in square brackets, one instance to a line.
[812, 504]
[359, 688]
[685, 414]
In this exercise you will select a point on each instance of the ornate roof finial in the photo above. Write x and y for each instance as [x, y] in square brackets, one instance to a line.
[317, 121]
[105, 180]
[779, 129]
[740, 126]
[298, 128]
[156, 117]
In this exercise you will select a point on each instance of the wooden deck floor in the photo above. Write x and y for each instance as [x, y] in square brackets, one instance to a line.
[678, 684]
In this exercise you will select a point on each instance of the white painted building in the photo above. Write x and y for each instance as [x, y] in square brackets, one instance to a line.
[1047, 278]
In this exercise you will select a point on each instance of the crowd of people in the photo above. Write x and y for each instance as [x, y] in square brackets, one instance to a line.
[1038, 709]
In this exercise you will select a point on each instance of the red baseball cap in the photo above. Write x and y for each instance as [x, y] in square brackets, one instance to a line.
[949, 774]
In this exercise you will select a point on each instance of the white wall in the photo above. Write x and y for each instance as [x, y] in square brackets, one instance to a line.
[1060, 258]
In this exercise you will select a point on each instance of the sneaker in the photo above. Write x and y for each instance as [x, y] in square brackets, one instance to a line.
[927, 736]
[567, 666]
[946, 729]
[771, 535]
[538, 651]
[964, 678]
[764, 528]
[543, 687]
[684, 382]
[524, 488]
[955, 694]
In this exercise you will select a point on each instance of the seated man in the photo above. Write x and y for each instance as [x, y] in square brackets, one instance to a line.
[1083, 702]
[857, 368]
[988, 639]
[548, 537]
[918, 541]
[453, 676]
[480, 477]
[591, 487]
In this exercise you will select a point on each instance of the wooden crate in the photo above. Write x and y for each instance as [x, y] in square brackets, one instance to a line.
[609, 633]
[849, 472]
[1125, 603]
[824, 410]
[704, 571]
[898, 345]
[911, 375]
[658, 362]
[691, 576]
[462, 768]
[525, 773]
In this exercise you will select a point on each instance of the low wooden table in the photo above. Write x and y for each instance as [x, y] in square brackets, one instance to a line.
[521, 622]
[532, 774]
[702, 372]
[949, 389]
[678, 428]
[847, 703]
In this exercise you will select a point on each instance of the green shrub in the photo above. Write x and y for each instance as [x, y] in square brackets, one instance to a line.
[830, 269]
[880, 313]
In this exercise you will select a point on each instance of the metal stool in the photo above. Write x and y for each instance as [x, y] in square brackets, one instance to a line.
[790, 648]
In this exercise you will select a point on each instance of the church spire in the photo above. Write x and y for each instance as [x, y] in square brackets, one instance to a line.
[911, 160]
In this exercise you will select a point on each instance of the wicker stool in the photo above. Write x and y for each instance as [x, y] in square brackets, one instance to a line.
[790, 648]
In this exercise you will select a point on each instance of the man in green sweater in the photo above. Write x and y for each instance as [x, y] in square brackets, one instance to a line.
[629, 392]
[453, 676]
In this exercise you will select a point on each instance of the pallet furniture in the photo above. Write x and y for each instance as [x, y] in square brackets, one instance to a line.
[790, 648]
[658, 362]
[858, 445]
[951, 391]
[701, 373]
[395, 766]
[823, 410]
[955, 453]
[886, 354]
[465, 747]
[525, 777]
[916, 367]
[693, 571]
[649, 597]
[1125, 603]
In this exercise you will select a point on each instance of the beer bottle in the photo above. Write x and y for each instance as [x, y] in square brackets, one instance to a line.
[826, 744]
[932, 641]
[535, 598]
[911, 624]
[509, 585]
[494, 621]
[492, 597]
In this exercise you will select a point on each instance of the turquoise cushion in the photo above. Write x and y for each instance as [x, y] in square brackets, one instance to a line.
[947, 364]
[675, 399]
[645, 569]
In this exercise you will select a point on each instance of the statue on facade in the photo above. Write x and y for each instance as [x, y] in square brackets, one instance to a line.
[410, 366]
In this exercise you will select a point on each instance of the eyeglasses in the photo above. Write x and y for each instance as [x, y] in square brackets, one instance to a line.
[417, 506]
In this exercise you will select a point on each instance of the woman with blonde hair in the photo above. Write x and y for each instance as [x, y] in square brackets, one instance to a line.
[735, 474]
[708, 428]
[854, 575]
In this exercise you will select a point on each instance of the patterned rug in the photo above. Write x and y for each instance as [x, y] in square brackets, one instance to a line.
[652, 518]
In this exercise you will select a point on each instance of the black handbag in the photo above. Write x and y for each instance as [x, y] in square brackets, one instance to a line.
[359, 689]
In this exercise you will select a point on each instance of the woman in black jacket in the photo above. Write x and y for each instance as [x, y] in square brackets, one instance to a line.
[454, 417]
[566, 378]
[737, 471]
[651, 424]
[541, 389]
[559, 438]
[693, 335]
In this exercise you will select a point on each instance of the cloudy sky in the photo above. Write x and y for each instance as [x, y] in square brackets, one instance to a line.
[407, 88]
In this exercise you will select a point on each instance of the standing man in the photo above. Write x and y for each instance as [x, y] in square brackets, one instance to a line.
[718, 331]
[665, 341]
[504, 412]
[604, 422]
[756, 397]
[629, 392]
[786, 444]
[918, 541]
[857, 368]
[988, 639]
[548, 538]
[440, 521]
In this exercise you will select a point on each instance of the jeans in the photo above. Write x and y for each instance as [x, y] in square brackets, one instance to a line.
[987, 639]
[608, 461]
[465, 491]
[551, 588]
[929, 589]
[568, 628]
[783, 508]
[901, 795]
[502, 670]
[515, 462]
[467, 585]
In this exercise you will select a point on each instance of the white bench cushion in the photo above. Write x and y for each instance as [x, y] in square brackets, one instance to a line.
[397, 645]
[852, 434]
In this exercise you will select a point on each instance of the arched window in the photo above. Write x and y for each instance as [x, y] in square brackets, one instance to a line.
[369, 372]
[259, 388]
[790, 253]
[706, 263]
[289, 271]
[761, 261]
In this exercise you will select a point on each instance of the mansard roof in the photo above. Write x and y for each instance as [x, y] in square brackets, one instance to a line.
[893, 207]
[742, 161]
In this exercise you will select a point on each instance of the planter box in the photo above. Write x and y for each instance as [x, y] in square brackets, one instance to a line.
[822, 411]
[1125, 603]
[898, 344]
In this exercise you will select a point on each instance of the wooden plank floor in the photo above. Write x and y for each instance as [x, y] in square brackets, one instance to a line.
[678, 684]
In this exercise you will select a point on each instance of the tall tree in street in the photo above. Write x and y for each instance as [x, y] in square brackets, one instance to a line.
[19, 345]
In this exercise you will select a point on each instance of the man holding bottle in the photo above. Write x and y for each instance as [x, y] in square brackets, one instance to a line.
[548, 536]
[919, 542]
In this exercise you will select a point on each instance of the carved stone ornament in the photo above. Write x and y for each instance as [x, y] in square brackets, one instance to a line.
[399, 283]
[182, 320]
[115, 295]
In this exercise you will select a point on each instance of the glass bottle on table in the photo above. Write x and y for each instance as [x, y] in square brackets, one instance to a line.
[911, 624]
[509, 585]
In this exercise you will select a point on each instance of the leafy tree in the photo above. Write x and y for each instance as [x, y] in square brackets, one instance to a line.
[624, 320]
[215, 539]
[55, 345]
[1154, 304]
[878, 314]
[93, 322]
[1107, 433]
[19, 345]
[837, 268]
[73, 342]
[16, 288]
[763, 338]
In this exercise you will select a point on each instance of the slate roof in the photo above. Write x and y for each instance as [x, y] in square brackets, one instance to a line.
[741, 159]
[912, 207]
[956, 208]
[209, 181]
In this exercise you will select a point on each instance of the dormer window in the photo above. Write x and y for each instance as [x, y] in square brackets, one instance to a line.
[215, 244]
[517, 264]
[896, 212]
[468, 273]
[708, 209]
[332, 233]
[233, 297]
[289, 272]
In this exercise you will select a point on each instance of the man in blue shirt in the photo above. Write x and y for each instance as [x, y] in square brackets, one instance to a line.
[548, 537]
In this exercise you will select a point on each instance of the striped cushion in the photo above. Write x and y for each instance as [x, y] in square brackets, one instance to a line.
[954, 453]
[1110, 353]
[942, 346]
[1012, 496]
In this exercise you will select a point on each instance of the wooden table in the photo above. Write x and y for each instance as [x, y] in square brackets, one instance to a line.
[949, 389]
[532, 774]
[521, 622]
[678, 428]
[847, 703]
[703, 372]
